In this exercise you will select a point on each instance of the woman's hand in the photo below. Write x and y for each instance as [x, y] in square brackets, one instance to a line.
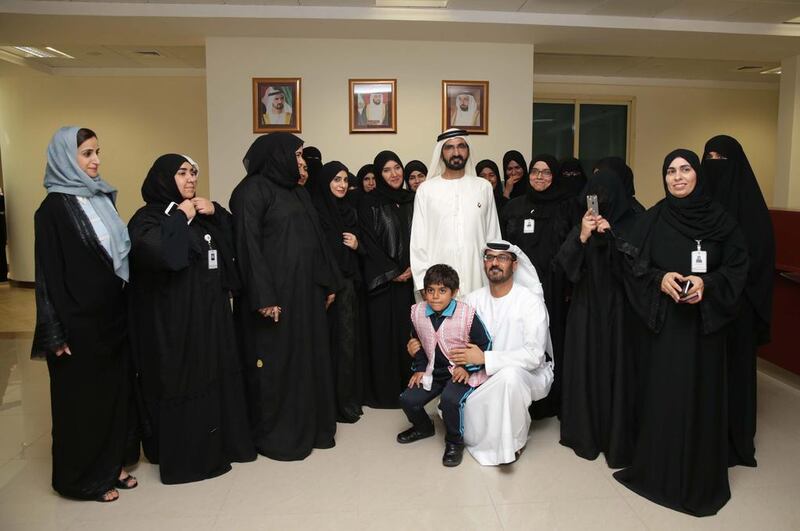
[670, 286]
[588, 224]
[350, 240]
[402, 277]
[271, 311]
[187, 207]
[602, 224]
[62, 349]
[203, 206]
[509, 186]
[695, 294]
[329, 300]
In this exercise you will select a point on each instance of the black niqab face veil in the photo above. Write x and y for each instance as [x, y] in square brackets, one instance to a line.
[159, 187]
[273, 156]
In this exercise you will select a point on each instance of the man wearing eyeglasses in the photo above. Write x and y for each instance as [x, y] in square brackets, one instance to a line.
[518, 362]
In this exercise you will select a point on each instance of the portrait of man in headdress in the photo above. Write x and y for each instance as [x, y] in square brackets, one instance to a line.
[465, 105]
[373, 107]
[276, 105]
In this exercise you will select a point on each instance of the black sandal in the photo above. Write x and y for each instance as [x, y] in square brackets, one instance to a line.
[124, 483]
[102, 498]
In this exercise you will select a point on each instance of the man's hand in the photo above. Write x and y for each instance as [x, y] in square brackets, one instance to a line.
[471, 355]
[416, 380]
[460, 375]
[413, 346]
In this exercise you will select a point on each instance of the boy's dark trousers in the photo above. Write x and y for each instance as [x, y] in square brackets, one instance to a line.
[454, 395]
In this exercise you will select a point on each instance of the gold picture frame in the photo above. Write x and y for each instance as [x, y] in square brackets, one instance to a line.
[465, 105]
[372, 105]
[281, 94]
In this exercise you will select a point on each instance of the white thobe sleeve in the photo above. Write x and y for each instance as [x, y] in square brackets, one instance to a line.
[531, 353]
[419, 243]
[492, 222]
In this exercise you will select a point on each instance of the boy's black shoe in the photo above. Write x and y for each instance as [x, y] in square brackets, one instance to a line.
[452, 454]
[412, 435]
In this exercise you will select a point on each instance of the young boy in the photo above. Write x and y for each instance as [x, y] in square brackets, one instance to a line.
[441, 324]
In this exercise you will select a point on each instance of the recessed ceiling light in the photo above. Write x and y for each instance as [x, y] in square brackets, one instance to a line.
[775, 71]
[59, 52]
[411, 3]
[41, 53]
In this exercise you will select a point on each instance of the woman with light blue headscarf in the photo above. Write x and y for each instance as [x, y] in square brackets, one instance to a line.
[82, 249]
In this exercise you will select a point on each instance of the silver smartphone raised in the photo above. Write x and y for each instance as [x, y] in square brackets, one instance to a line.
[592, 204]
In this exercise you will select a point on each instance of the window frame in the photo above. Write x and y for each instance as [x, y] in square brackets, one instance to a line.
[578, 100]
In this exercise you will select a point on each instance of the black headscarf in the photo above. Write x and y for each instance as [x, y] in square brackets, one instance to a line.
[272, 156]
[618, 166]
[499, 198]
[521, 186]
[696, 216]
[160, 189]
[573, 184]
[383, 190]
[556, 192]
[414, 165]
[336, 215]
[613, 201]
[365, 169]
[733, 184]
[313, 158]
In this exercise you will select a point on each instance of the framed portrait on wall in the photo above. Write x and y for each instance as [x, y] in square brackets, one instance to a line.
[276, 104]
[373, 105]
[465, 104]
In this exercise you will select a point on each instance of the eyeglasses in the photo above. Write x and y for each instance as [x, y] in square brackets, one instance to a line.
[501, 258]
[544, 173]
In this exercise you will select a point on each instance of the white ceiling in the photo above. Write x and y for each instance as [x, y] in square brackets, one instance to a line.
[581, 37]
[757, 11]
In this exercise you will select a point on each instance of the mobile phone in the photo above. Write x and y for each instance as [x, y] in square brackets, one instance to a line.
[592, 204]
[685, 289]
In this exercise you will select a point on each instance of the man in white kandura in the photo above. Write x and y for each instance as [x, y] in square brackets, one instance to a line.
[277, 111]
[496, 418]
[466, 111]
[454, 214]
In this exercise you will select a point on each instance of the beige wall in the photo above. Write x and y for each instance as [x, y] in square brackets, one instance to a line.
[666, 118]
[136, 119]
[325, 65]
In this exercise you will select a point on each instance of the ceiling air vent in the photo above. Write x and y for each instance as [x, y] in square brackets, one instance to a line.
[150, 53]
[749, 68]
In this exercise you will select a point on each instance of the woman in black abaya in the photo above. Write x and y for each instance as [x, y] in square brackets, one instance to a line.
[488, 170]
[288, 277]
[329, 188]
[82, 249]
[597, 398]
[573, 176]
[385, 218]
[182, 331]
[538, 222]
[514, 178]
[680, 458]
[733, 185]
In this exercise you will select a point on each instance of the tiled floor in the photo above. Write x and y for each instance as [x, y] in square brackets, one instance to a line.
[370, 482]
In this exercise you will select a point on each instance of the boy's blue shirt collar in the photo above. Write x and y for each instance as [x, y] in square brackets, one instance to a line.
[447, 312]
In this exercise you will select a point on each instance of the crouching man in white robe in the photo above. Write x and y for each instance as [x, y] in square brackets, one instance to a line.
[496, 418]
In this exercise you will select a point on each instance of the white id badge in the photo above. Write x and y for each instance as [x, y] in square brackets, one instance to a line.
[699, 262]
[212, 259]
[527, 228]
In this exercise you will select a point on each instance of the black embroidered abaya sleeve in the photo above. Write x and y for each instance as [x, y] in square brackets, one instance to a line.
[50, 332]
